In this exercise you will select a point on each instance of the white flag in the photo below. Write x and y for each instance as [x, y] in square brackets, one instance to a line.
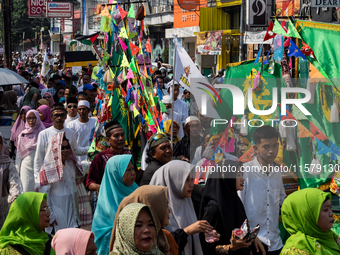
[188, 75]
[46, 66]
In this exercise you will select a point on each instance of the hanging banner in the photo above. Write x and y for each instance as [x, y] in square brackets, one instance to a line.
[287, 8]
[256, 38]
[209, 43]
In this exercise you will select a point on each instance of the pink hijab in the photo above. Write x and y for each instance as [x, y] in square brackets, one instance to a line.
[29, 137]
[18, 126]
[52, 100]
[71, 241]
[41, 86]
[46, 112]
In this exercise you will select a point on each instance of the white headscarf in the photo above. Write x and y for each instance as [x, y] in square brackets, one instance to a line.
[174, 175]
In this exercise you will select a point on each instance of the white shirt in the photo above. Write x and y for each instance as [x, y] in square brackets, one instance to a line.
[45, 137]
[84, 133]
[262, 197]
[182, 109]
[177, 118]
[69, 119]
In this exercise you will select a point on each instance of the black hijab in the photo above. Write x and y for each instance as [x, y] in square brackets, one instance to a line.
[221, 188]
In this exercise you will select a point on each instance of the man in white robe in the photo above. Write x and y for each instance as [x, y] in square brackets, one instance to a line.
[72, 110]
[179, 106]
[167, 115]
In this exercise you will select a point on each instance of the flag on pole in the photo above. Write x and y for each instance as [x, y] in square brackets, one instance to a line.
[85, 39]
[46, 66]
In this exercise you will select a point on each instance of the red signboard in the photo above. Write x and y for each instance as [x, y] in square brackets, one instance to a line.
[59, 10]
[36, 8]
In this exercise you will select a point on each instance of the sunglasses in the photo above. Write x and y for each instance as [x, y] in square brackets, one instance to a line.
[61, 115]
[65, 148]
[72, 106]
[46, 97]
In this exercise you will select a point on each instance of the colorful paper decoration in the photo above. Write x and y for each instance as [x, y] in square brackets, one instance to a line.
[134, 49]
[258, 55]
[105, 24]
[123, 33]
[124, 47]
[246, 157]
[269, 34]
[125, 62]
[122, 12]
[278, 29]
[292, 32]
[133, 65]
[293, 50]
[148, 46]
[132, 26]
[278, 47]
[130, 74]
[131, 13]
[105, 12]
[129, 85]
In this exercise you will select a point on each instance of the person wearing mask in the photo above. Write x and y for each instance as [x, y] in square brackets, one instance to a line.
[223, 209]
[308, 217]
[156, 197]
[263, 192]
[74, 241]
[58, 113]
[167, 129]
[72, 110]
[27, 144]
[23, 230]
[159, 153]
[83, 127]
[60, 177]
[49, 98]
[10, 185]
[185, 149]
[178, 177]
[115, 137]
[45, 116]
[118, 182]
[136, 231]
[17, 128]
[176, 117]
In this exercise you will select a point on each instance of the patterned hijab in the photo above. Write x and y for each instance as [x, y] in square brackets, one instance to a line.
[300, 216]
[125, 229]
[29, 136]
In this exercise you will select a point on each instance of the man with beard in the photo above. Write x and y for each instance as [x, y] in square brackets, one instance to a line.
[58, 115]
[191, 140]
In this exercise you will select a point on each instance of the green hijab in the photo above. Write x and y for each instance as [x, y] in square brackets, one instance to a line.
[28, 97]
[300, 214]
[125, 230]
[21, 226]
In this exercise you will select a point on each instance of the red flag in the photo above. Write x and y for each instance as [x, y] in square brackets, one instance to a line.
[134, 49]
[148, 46]
[269, 34]
[283, 24]
[122, 12]
[141, 30]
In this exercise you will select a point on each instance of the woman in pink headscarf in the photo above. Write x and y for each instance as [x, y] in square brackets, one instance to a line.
[45, 115]
[74, 241]
[37, 80]
[48, 96]
[17, 128]
[27, 144]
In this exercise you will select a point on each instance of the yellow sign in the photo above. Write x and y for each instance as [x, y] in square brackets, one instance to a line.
[55, 38]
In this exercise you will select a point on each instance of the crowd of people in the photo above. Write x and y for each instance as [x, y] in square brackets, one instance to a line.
[51, 191]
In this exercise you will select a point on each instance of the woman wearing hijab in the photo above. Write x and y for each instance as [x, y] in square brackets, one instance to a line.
[159, 152]
[118, 182]
[136, 231]
[74, 241]
[32, 97]
[23, 231]
[167, 128]
[10, 184]
[18, 127]
[178, 177]
[308, 217]
[45, 115]
[42, 102]
[223, 209]
[156, 197]
[27, 144]
[37, 81]
[59, 94]
[48, 96]
[9, 101]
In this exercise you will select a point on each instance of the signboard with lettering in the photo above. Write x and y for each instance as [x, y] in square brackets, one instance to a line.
[59, 10]
[185, 18]
[325, 3]
[55, 29]
[36, 8]
[257, 12]
[256, 38]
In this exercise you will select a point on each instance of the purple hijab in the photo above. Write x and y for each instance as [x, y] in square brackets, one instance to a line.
[41, 86]
[46, 112]
[52, 100]
[18, 126]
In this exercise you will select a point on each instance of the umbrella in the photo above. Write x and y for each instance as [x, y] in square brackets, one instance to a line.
[8, 77]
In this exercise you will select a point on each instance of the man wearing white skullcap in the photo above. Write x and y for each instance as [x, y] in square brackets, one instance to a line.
[167, 115]
[179, 105]
[191, 140]
[84, 128]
